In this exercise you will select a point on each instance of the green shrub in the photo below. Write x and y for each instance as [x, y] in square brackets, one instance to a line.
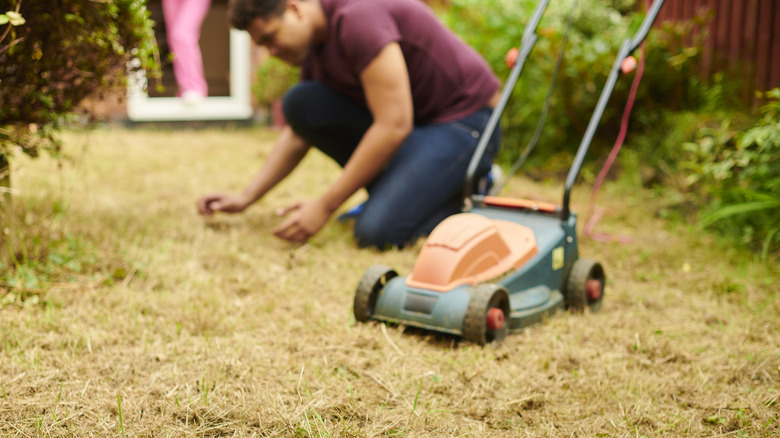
[687, 127]
[738, 174]
[599, 28]
[59, 56]
[722, 168]
[661, 132]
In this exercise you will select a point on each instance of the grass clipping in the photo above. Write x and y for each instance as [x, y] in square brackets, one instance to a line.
[149, 320]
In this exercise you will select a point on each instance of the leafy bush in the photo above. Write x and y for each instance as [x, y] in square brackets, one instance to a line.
[722, 168]
[494, 26]
[60, 56]
[737, 173]
[671, 77]
[722, 164]
[661, 132]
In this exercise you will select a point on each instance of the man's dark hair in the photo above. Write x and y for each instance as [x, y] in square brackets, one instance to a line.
[243, 12]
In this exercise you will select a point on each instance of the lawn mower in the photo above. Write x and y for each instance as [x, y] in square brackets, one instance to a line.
[504, 263]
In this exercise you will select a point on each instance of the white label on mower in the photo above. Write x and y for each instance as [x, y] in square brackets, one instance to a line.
[557, 258]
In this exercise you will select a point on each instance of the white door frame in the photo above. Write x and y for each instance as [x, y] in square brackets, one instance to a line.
[237, 106]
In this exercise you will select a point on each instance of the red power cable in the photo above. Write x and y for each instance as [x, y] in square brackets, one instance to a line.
[593, 217]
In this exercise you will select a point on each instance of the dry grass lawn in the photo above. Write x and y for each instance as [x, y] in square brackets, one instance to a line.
[133, 316]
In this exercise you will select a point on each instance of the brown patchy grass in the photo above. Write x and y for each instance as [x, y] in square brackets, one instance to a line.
[166, 324]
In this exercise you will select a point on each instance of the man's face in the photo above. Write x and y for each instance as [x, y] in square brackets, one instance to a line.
[287, 36]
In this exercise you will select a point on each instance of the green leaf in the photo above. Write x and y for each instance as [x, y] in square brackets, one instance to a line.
[768, 243]
[715, 419]
[3, 19]
[14, 18]
[738, 210]
[773, 93]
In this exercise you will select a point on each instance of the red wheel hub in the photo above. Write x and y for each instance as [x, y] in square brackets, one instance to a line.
[495, 318]
[593, 289]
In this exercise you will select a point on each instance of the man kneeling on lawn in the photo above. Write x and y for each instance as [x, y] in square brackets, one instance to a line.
[390, 94]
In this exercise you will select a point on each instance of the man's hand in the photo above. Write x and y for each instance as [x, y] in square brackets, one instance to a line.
[286, 154]
[307, 219]
[209, 204]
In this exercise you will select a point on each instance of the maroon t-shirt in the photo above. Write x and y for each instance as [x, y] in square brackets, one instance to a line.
[449, 79]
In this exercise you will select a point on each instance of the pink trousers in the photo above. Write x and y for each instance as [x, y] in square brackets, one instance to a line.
[183, 20]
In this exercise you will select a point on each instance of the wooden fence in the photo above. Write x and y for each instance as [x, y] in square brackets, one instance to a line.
[742, 37]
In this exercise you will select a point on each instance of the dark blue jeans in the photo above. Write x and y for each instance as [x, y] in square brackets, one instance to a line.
[422, 184]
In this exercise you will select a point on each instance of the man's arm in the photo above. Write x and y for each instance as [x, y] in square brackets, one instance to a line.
[285, 156]
[388, 94]
[389, 97]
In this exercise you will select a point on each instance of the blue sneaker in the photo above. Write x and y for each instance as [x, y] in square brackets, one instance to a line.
[351, 213]
[494, 178]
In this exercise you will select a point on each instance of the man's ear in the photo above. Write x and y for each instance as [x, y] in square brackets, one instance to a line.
[296, 6]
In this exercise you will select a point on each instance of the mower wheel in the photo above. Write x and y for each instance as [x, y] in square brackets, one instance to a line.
[585, 286]
[487, 316]
[373, 281]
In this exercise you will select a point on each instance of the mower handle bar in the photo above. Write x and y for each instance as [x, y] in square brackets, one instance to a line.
[528, 41]
[628, 47]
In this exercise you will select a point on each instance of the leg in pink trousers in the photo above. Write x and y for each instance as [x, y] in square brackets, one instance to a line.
[183, 21]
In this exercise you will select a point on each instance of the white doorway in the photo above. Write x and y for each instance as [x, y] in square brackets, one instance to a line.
[226, 58]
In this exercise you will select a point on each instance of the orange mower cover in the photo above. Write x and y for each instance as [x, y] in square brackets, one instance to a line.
[469, 248]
